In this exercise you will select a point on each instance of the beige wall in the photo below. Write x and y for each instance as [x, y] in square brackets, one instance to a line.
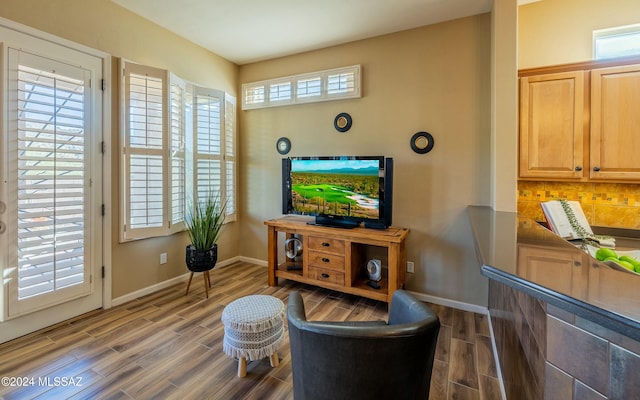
[435, 79]
[554, 32]
[104, 26]
[504, 105]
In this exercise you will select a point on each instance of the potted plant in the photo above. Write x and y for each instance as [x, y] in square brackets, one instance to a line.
[204, 221]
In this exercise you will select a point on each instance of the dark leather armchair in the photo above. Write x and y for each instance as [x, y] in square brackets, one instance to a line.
[364, 360]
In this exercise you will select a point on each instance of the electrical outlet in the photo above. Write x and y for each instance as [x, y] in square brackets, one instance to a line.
[410, 267]
[163, 258]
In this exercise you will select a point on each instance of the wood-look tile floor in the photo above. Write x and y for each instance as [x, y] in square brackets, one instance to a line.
[168, 345]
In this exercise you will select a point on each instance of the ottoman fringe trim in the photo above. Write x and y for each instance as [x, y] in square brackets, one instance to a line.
[253, 326]
[253, 354]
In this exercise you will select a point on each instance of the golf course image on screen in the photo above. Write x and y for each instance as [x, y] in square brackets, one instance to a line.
[336, 187]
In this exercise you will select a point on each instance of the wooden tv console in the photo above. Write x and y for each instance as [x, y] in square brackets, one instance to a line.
[336, 258]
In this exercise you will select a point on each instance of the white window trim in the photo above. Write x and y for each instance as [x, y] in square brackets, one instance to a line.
[324, 95]
[127, 232]
[618, 31]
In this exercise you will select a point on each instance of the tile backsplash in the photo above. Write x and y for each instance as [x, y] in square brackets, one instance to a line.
[615, 205]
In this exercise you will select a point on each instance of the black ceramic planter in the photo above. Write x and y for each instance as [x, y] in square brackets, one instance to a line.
[201, 260]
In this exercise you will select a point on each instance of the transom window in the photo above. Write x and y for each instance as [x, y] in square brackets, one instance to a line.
[333, 84]
[623, 41]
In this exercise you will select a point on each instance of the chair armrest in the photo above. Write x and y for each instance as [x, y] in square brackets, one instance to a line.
[406, 309]
[295, 307]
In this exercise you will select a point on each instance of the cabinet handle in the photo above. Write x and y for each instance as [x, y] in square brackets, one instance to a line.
[578, 168]
[325, 244]
[596, 168]
[325, 276]
[326, 260]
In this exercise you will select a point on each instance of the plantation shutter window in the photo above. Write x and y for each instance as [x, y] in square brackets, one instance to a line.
[144, 151]
[327, 85]
[178, 153]
[340, 83]
[208, 142]
[49, 127]
[179, 146]
[230, 155]
[254, 95]
[280, 92]
[308, 88]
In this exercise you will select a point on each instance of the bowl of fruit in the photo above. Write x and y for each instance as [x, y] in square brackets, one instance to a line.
[628, 261]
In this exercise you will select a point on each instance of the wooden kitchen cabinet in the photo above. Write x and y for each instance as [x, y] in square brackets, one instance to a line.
[581, 122]
[552, 125]
[559, 269]
[615, 123]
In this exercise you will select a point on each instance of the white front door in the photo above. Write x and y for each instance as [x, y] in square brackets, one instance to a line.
[52, 187]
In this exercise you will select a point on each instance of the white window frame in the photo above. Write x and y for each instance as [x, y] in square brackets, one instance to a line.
[619, 32]
[178, 98]
[159, 229]
[179, 124]
[258, 94]
[230, 166]
[27, 38]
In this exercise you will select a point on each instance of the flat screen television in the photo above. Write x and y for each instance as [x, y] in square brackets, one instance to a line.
[342, 191]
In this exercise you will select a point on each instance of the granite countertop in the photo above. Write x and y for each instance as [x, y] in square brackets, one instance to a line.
[521, 253]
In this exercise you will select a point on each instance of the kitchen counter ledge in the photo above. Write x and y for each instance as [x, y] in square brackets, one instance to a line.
[564, 324]
[500, 237]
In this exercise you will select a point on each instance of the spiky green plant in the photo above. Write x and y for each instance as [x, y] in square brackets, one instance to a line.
[204, 221]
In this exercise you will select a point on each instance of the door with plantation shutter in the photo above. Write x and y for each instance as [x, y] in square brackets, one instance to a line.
[53, 187]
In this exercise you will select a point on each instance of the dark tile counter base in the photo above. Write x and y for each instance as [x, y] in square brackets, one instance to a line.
[546, 352]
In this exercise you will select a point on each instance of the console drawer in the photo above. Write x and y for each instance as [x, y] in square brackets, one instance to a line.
[328, 245]
[326, 275]
[326, 260]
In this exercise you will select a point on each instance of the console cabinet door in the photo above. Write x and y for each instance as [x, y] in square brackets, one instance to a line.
[552, 125]
[615, 123]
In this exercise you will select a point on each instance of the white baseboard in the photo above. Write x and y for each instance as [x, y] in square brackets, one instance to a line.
[262, 263]
[451, 303]
[165, 284]
[182, 278]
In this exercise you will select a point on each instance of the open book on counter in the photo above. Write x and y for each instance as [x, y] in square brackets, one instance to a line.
[567, 220]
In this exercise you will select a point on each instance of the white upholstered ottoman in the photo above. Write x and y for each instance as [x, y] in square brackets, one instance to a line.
[253, 329]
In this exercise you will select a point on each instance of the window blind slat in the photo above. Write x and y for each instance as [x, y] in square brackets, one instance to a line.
[51, 184]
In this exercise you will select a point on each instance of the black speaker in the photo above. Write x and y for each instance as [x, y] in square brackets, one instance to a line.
[286, 185]
[386, 200]
[387, 207]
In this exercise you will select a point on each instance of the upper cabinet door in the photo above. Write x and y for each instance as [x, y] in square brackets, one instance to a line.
[615, 123]
[552, 125]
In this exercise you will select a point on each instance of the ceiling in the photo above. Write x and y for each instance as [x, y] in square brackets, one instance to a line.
[245, 31]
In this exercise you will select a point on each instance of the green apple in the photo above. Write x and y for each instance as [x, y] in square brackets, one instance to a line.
[629, 259]
[627, 265]
[604, 253]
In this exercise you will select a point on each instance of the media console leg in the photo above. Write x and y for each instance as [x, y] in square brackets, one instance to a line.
[272, 256]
